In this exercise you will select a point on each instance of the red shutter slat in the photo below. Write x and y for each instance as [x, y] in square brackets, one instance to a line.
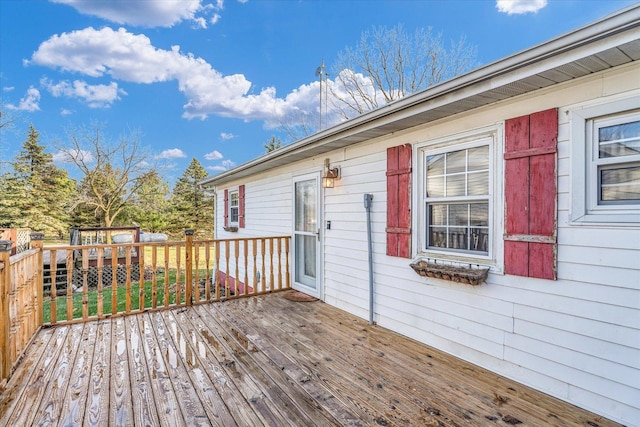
[399, 201]
[241, 206]
[542, 215]
[517, 176]
[530, 195]
[226, 208]
[544, 134]
[516, 196]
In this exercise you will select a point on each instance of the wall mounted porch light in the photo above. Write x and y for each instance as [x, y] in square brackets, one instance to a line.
[330, 175]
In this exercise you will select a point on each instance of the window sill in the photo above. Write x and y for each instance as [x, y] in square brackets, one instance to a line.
[231, 229]
[468, 275]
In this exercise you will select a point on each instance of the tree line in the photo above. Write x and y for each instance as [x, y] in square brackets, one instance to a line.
[118, 185]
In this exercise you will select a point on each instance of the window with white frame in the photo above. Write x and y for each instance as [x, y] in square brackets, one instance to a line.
[606, 163]
[457, 202]
[616, 159]
[234, 206]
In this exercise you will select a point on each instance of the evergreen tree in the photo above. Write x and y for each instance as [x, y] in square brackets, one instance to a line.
[11, 198]
[150, 206]
[273, 144]
[192, 205]
[37, 194]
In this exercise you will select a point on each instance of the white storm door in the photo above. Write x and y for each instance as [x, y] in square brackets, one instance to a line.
[306, 235]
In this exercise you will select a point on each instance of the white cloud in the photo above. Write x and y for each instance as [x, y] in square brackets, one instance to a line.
[228, 164]
[215, 18]
[7, 88]
[147, 13]
[214, 155]
[64, 157]
[225, 165]
[520, 6]
[225, 136]
[200, 23]
[96, 96]
[172, 153]
[65, 112]
[129, 57]
[29, 101]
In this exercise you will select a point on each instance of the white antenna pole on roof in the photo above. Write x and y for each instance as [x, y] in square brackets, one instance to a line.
[320, 73]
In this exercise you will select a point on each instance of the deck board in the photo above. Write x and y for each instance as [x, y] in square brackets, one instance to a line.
[260, 361]
[97, 409]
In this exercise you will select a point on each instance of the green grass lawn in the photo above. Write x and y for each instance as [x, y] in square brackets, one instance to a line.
[121, 291]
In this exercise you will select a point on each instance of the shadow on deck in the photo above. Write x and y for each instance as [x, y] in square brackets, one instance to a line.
[263, 360]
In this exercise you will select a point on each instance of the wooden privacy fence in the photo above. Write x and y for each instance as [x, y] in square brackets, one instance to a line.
[64, 284]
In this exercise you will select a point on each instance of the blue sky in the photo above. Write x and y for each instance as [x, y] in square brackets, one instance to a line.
[212, 79]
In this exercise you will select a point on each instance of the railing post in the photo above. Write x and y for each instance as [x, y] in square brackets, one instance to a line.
[37, 242]
[5, 322]
[187, 267]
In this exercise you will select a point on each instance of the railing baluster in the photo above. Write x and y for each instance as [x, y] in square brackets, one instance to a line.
[196, 268]
[37, 240]
[208, 278]
[141, 277]
[226, 276]
[286, 258]
[154, 276]
[188, 266]
[279, 263]
[263, 278]
[255, 266]
[236, 277]
[271, 277]
[245, 242]
[114, 279]
[166, 275]
[53, 273]
[85, 283]
[100, 268]
[178, 285]
[217, 266]
[128, 279]
[70, 270]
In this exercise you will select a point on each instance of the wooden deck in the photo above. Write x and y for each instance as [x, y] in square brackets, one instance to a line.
[260, 361]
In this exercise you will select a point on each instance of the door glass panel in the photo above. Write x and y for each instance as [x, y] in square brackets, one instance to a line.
[306, 260]
[306, 206]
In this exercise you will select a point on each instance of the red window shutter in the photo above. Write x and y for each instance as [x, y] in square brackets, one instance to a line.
[530, 247]
[399, 201]
[226, 208]
[241, 206]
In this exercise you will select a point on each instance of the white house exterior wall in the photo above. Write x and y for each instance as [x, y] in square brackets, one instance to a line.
[577, 338]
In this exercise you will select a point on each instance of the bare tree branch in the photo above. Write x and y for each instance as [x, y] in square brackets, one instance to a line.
[389, 64]
[112, 173]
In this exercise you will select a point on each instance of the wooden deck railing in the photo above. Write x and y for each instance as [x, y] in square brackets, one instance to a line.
[68, 284]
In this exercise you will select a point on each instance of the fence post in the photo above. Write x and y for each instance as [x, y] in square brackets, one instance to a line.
[5, 321]
[188, 267]
[37, 242]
